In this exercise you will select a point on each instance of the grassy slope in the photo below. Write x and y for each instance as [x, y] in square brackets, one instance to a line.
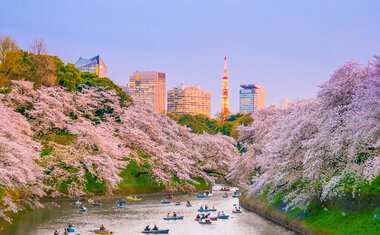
[335, 221]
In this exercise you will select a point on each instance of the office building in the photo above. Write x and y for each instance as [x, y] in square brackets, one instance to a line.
[94, 65]
[283, 103]
[252, 98]
[189, 100]
[150, 87]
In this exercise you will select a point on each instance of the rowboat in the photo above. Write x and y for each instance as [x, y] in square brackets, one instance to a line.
[70, 230]
[103, 232]
[204, 210]
[225, 196]
[173, 218]
[169, 197]
[203, 196]
[188, 205]
[223, 216]
[165, 202]
[121, 201]
[120, 206]
[96, 204]
[132, 199]
[205, 221]
[90, 200]
[235, 196]
[177, 203]
[83, 210]
[160, 231]
[236, 211]
[224, 189]
[213, 218]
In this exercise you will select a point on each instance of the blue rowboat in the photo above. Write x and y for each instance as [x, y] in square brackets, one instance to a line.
[174, 218]
[225, 196]
[70, 230]
[223, 216]
[178, 204]
[83, 210]
[204, 210]
[203, 196]
[161, 231]
[97, 204]
[188, 205]
[235, 196]
[165, 202]
[120, 206]
[122, 201]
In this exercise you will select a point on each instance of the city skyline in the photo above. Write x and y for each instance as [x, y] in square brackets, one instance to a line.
[172, 40]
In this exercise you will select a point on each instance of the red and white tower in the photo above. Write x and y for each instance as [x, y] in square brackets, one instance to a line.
[225, 110]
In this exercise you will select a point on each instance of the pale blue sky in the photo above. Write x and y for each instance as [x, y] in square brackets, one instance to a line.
[288, 46]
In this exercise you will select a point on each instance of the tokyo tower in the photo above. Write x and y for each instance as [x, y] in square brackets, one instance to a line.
[225, 110]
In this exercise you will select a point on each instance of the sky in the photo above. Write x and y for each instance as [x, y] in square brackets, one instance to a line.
[289, 46]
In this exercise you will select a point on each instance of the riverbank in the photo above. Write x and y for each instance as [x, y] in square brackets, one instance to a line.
[270, 213]
[318, 219]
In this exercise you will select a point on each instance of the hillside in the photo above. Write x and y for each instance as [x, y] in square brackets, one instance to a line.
[61, 143]
[319, 160]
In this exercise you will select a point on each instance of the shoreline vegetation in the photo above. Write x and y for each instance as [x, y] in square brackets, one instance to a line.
[320, 219]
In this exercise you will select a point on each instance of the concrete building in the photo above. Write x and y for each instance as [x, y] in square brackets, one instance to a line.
[283, 103]
[189, 100]
[151, 87]
[252, 98]
[94, 65]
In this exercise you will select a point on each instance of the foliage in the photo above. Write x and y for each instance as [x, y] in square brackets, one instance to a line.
[127, 149]
[46, 70]
[200, 124]
[331, 143]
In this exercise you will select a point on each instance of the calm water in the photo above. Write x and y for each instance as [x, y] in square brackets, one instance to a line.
[136, 215]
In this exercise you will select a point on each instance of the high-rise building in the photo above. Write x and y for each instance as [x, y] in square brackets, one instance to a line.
[189, 100]
[252, 98]
[283, 103]
[225, 113]
[94, 65]
[151, 87]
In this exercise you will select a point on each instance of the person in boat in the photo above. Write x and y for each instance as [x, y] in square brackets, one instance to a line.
[201, 208]
[206, 207]
[147, 228]
[83, 208]
[174, 215]
[66, 232]
[168, 215]
[213, 207]
[225, 194]
[155, 228]
[188, 202]
[218, 214]
[120, 204]
[198, 217]
[56, 232]
[71, 225]
[223, 213]
[102, 228]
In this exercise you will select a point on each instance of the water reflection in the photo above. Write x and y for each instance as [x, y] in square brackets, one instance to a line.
[136, 215]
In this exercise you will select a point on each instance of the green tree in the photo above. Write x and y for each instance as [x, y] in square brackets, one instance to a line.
[10, 60]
